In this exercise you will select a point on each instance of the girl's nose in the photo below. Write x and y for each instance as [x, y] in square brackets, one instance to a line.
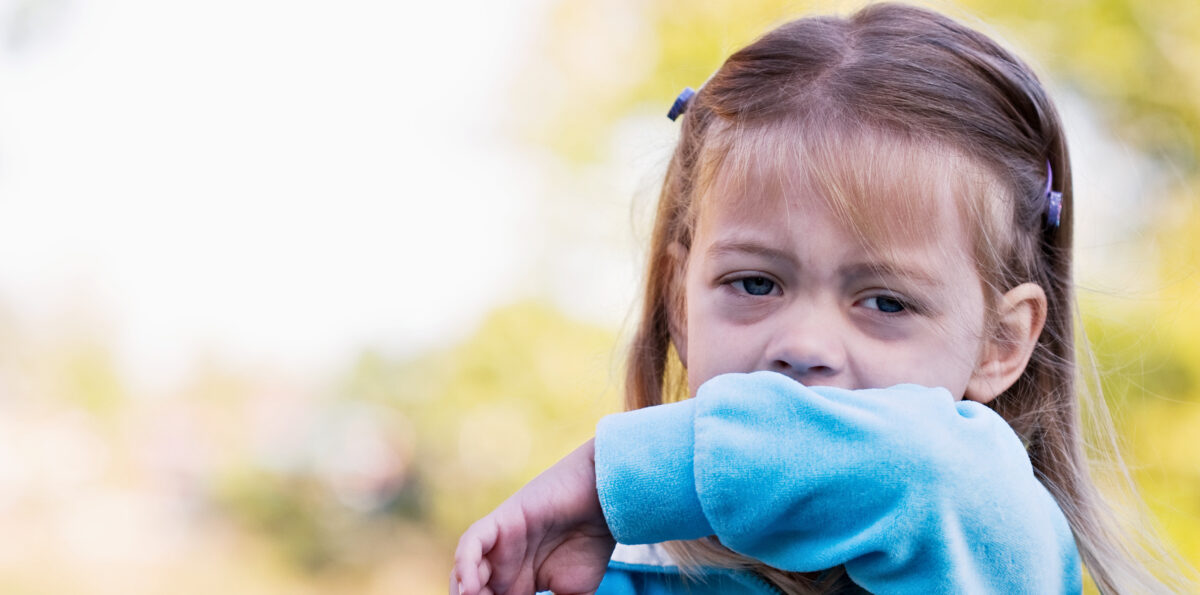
[809, 346]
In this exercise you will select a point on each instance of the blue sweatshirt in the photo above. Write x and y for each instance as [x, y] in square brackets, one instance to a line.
[910, 490]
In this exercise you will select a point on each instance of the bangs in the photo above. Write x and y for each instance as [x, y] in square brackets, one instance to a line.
[888, 188]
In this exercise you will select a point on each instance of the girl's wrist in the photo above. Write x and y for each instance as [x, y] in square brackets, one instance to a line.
[644, 474]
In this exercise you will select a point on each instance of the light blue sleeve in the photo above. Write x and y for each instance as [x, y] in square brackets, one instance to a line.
[912, 491]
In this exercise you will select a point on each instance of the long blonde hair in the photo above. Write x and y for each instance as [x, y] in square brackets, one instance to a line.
[910, 76]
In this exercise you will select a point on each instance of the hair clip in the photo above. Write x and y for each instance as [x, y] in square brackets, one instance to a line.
[681, 103]
[1053, 199]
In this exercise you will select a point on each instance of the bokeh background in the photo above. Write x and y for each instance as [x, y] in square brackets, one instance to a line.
[292, 291]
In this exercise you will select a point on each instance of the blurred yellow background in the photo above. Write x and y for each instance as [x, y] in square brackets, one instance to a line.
[291, 292]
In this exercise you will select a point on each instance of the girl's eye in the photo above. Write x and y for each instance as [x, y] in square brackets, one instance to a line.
[755, 285]
[885, 304]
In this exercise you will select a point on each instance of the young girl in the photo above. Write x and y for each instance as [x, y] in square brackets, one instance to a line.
[860, 274]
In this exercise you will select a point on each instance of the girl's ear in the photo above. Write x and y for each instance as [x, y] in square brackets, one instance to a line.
[677, 300]
[1020, 316]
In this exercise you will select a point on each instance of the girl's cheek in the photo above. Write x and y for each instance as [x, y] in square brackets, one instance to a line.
[738, 309]
[889, 331]
[925, 362]
[722, 348]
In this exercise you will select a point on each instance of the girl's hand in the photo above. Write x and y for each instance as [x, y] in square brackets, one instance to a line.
[549, 535]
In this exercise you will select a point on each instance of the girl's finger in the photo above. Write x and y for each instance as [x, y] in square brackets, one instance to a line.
[455, 586]
[466, 563]
[485, 572]
[477, 541]
[487, 533]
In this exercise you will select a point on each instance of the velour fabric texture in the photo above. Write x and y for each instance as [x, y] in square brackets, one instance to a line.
[910, 490]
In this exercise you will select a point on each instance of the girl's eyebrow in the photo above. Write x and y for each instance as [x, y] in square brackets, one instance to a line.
[890, 269]
[755, 248]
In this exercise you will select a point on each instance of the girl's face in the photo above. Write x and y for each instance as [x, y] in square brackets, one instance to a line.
[784, 284]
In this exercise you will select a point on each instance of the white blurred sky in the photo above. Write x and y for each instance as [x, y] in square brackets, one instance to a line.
[290, 181]
[269, 180]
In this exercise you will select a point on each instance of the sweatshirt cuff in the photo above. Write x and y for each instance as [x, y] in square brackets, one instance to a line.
[644, 474]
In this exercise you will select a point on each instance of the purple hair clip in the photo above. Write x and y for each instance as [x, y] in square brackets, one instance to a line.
[681, 103]
[1053, 200]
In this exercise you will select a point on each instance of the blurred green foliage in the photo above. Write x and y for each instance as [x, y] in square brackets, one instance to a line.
[493, 411]
[1148, 358]
[475, 421]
